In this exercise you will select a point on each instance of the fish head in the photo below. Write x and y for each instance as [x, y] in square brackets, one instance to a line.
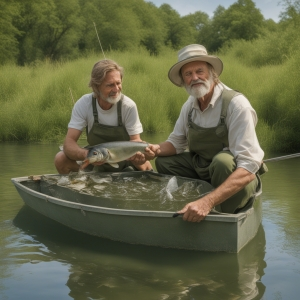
[97, 155]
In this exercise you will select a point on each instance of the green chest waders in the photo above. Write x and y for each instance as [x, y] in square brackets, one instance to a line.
[101, 133]
[205, 143]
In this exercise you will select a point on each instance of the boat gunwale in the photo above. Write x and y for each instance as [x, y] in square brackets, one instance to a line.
[220, 217]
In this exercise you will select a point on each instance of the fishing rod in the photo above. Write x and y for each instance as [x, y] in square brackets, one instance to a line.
[282, 157]
[99, 40]
[102, 53]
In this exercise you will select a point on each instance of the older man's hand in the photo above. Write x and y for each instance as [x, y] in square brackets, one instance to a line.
[152, 151]
[197, 210]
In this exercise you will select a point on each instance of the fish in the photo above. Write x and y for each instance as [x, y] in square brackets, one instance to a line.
[113, 152]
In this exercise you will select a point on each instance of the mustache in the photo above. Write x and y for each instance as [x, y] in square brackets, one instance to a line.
[112, 94]
[198, 81]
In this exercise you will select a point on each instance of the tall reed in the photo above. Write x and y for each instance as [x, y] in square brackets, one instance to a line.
[36, 101]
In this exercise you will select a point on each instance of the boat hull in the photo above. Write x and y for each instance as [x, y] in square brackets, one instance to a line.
[218, 232]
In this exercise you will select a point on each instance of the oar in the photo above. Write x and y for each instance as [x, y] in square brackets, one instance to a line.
[282, 157]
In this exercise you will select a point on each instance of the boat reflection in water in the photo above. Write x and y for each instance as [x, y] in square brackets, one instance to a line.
[100, 268]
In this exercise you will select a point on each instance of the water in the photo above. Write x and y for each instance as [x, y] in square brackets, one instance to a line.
[41, 259]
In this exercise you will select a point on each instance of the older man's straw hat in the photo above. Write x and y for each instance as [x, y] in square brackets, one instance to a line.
[191, 53]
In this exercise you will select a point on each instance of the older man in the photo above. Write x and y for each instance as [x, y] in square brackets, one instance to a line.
[217, 125]
[108, 116]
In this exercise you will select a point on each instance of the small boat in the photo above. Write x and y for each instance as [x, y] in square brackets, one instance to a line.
[104, 217]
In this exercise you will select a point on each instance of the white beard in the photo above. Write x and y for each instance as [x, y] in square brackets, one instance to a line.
[112, 100]
[199, 91]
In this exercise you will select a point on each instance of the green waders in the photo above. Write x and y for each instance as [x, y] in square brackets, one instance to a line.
[101, 133]
[207, 160]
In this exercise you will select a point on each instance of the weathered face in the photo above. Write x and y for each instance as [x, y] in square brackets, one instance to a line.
[193, 71]
[197, 78]
[111, 87]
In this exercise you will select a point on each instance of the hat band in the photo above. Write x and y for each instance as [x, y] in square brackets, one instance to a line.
[191, 54]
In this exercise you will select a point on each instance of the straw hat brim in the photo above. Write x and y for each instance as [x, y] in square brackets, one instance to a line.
[174, 72]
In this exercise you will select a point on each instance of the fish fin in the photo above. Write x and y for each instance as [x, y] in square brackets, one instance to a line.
[111, 155]
[115, 165]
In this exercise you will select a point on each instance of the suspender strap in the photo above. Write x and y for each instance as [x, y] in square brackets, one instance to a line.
[95, 113]
[227, 95]
[119, 108]
[190, 117]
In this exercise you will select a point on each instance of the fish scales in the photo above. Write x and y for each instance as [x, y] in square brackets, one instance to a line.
[113, 152]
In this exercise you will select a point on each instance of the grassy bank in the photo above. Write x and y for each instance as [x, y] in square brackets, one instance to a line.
[36, 101]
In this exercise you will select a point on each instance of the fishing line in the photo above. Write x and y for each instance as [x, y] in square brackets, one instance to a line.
[99, 40]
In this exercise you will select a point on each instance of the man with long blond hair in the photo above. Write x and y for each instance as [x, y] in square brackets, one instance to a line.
[107, 115]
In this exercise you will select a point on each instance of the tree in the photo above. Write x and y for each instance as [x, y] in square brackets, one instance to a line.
[211, 35]
[179, 33]
[242, 20]
[9, 10]
[197, 21]
[291, 13]
[49, 29]
[118, 25]
[153, 28]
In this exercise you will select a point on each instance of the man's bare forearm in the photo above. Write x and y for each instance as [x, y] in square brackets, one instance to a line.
[73, 151]
[233, 184]
[166, 149]
[197, 210]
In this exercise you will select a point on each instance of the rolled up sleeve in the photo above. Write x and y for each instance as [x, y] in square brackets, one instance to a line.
[243, 142]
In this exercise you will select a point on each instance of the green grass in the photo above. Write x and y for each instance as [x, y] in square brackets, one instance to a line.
[36, 101]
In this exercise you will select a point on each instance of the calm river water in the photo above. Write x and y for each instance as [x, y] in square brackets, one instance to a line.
[41, 259]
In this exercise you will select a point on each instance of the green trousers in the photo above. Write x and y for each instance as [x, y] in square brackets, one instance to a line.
[222, 165]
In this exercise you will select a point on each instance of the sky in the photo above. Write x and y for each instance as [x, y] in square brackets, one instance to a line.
[269, 8]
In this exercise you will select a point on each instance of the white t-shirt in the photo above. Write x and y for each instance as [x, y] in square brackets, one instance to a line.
[82, 115]
[240, 121]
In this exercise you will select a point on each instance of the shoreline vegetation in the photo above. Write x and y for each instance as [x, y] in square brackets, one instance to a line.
[36, 101]
[47, 51]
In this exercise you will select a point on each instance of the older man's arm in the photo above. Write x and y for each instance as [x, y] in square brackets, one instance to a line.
[197, 210]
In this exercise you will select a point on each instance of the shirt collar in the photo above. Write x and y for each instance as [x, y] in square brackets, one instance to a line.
[218, 89]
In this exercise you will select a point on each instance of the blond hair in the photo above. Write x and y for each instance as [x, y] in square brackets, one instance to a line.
[99, 71]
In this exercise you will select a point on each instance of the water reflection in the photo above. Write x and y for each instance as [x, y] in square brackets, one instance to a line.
[281, 199]
[103, 269]
[40, 259]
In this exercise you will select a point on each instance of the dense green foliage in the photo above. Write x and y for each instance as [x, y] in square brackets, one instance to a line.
[37, 99]
[58, 30]
[36, 102]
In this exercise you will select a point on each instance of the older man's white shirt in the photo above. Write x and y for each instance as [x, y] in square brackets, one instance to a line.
[240, 121]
